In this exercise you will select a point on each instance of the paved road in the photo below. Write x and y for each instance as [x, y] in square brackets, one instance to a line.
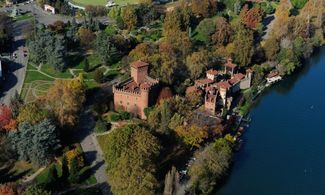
[14, 80]
[88, 141]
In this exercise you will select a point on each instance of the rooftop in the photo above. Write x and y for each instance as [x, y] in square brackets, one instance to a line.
[139, 64]
[212, 71]
[223, 84]
[229, 64]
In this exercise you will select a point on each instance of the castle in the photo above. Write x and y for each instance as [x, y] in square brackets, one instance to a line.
[218, 88]
[138, 92]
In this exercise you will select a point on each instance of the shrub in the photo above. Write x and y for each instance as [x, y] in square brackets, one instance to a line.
[101, 126]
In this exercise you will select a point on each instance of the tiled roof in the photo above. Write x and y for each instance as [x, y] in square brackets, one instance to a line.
[229, 64]
[139, 64]
[273, 73]
[213, 72]
[224, 85]
[203, 81]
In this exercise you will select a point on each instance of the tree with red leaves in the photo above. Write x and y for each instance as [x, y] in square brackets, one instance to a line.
[9, 189]
[251, 17]
[6, 120]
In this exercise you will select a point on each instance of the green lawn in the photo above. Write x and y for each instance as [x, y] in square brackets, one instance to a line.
[89, 2]
[101, 140]
[103, 2]
[54, 73]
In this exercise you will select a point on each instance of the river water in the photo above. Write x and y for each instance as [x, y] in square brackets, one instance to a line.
[284, 148]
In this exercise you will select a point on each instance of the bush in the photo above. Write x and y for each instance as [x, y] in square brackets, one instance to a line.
[99, 75]
[298, 4]
[101, 126]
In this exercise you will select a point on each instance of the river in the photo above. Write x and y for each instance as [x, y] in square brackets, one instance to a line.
[284, 147]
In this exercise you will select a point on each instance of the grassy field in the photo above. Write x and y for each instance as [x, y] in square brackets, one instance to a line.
[103, 2]
[89, 2]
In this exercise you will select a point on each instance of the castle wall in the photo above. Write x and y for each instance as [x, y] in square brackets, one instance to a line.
[131, 102]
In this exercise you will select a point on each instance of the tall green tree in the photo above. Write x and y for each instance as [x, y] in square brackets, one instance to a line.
[37, 143]
[105, 49]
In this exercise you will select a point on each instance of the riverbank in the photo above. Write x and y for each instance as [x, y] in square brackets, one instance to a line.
[284, 138]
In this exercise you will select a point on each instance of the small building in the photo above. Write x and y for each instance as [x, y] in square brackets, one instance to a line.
[230, 67]
[49, 9]
[138, 92]
[212, 74]
[273, 76]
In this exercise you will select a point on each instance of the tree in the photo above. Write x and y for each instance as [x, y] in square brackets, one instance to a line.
[192, 135]
[74, 176]
[86, 37]
[129, 16]
[9, 189]
[197, 63]
[86, 66]
[99, 75]
[36, 190]
[65, 99]
[210, 165]
[51, 177]
[244, 42]
[204, 8]
[132, 169]
[251, 17]
[6, 120]
[298, 4]
[222, 32]
[37, 143]
[16, 102]
[205, 30]
[281, 23]
[31, 113]
[172, 183]
[65, 168]
[271, 48]
[105, 49]
[164, 94]
[159, 118]
[57, 54]
[7, 154]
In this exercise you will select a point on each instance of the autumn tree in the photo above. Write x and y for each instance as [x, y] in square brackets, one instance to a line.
[175, 29]
[209, 167]
[197, 63]
[86, 37]
[222, 32]
[130, 153]
[271, 48]
[251, 17]
[172, 183]
[6, 119]
[164, 94]
[192, 135]
[282, 13]
[204, 8]
[32, 113]
[65, 99]
[129, 16]
[9, 189]
[244, 45]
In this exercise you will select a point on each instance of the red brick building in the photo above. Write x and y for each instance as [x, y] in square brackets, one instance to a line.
[136, 93]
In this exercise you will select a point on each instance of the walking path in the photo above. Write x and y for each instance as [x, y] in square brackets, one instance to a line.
[33, 176]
